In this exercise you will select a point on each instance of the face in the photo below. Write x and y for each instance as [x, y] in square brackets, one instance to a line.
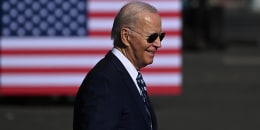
[140, 52]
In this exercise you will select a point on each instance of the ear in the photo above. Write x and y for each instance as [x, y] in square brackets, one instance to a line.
[124, 36]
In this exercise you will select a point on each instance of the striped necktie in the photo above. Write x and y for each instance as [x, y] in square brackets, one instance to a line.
[144, 95]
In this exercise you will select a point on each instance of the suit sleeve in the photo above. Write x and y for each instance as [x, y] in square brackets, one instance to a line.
[97, 105]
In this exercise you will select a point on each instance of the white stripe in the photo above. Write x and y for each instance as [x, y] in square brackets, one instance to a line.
[36, 79]
[101, 6]
[171, 24]
[76, 79]
[50, 61]
[167, 61]
[103, 24]
[172, 42]
[75, 61]
[73, 43]
[161, 79]
[97, 24]
[56, 43]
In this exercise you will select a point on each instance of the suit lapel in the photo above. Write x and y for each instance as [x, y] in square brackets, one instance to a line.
[137, 98]
[153, 115]
[131, 86]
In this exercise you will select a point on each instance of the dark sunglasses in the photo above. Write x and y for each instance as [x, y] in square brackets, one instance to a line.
[153, 36]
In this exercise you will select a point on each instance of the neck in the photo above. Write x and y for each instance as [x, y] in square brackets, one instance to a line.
[128, 56]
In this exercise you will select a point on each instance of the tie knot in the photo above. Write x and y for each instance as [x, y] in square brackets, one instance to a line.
[140, 82]
[139, 76]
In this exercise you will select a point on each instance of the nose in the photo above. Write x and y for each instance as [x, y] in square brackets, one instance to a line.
[157, 43]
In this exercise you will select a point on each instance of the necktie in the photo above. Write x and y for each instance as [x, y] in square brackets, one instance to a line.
[144, 95]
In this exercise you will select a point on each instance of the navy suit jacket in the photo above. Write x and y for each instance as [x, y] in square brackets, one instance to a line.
[109, 100]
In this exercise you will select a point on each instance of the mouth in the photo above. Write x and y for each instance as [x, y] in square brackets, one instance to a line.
[152, 52]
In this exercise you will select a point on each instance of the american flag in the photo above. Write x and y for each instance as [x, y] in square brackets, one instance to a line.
[47, 47]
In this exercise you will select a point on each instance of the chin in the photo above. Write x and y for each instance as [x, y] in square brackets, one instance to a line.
[150, 62]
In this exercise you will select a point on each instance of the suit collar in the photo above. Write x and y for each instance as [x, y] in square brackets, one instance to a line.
[127, 64]
[132, 88]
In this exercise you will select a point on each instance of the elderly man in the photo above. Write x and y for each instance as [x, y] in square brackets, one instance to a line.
[113, 94]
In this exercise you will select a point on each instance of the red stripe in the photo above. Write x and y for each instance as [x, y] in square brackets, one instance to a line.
[170, 14]
[20, 70]
[170, 90]
[71, 51]
[39, 91]
[101, 14]
[72, 90]
[107, 33]
[113, 14]
[162, 70]
[148, 1]
[128, 0]
[173, 32]
[169, 51]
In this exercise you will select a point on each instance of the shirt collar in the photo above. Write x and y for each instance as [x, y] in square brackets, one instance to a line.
[127, 64]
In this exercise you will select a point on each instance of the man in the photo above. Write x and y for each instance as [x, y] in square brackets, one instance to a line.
[111, 97]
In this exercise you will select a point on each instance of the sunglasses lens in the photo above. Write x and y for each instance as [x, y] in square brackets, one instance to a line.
[154, 36]
[162, 36]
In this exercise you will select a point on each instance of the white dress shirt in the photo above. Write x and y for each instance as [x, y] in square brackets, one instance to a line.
[128, 65]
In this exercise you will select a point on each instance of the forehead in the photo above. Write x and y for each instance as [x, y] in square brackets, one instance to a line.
[149, 22]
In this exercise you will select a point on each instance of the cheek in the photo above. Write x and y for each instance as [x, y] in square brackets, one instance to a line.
[139, 47]
[147, 57]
